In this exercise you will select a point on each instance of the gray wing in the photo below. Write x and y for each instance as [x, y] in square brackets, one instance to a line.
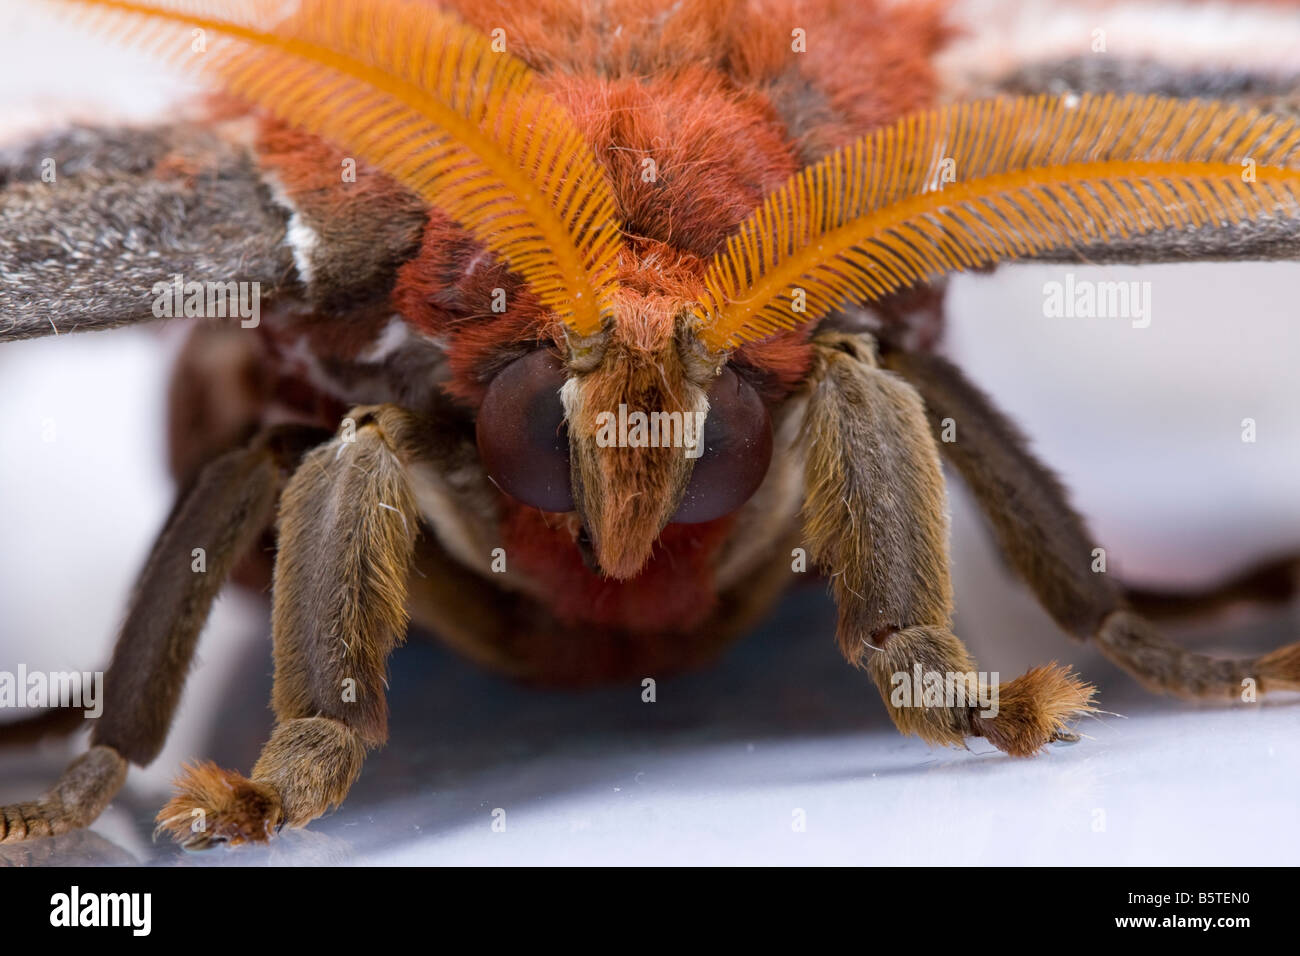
[91, 220]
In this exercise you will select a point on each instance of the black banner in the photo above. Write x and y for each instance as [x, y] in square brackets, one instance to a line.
[334, 905]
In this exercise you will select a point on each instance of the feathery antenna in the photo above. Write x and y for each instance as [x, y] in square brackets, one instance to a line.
[978, 183]
[427, 100]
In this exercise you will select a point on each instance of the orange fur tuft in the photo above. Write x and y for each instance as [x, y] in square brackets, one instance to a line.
[1035, 709]
[213, 806]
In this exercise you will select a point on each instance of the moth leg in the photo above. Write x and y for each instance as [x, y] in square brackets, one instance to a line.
[51, 722]
[1048, 544]
[223, 512]
[1270, 582]
[347, 528]
[875, 518]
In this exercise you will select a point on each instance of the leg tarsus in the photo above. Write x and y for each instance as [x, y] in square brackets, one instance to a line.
[1026, 714]
[79, 796]
[1134, 644]
[312, 762]
[935, 650]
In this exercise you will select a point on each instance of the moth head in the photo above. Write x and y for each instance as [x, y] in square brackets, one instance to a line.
[631, 428]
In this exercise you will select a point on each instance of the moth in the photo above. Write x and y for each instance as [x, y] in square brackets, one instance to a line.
[581, 325]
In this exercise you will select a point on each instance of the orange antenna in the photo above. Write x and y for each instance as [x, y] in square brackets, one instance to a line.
[427, 100]
[978, 183]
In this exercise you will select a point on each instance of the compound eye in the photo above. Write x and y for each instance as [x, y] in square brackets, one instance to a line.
[522, 439]
[737, 451]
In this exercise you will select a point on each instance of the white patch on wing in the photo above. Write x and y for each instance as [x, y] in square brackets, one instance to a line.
[997, 37]
[394, 335]
[301, 238]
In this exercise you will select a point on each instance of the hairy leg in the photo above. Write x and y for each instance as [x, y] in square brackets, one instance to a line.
[348, 522]
[1270, 582]
[1049, 546]
[223, 512]
[875, 518]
